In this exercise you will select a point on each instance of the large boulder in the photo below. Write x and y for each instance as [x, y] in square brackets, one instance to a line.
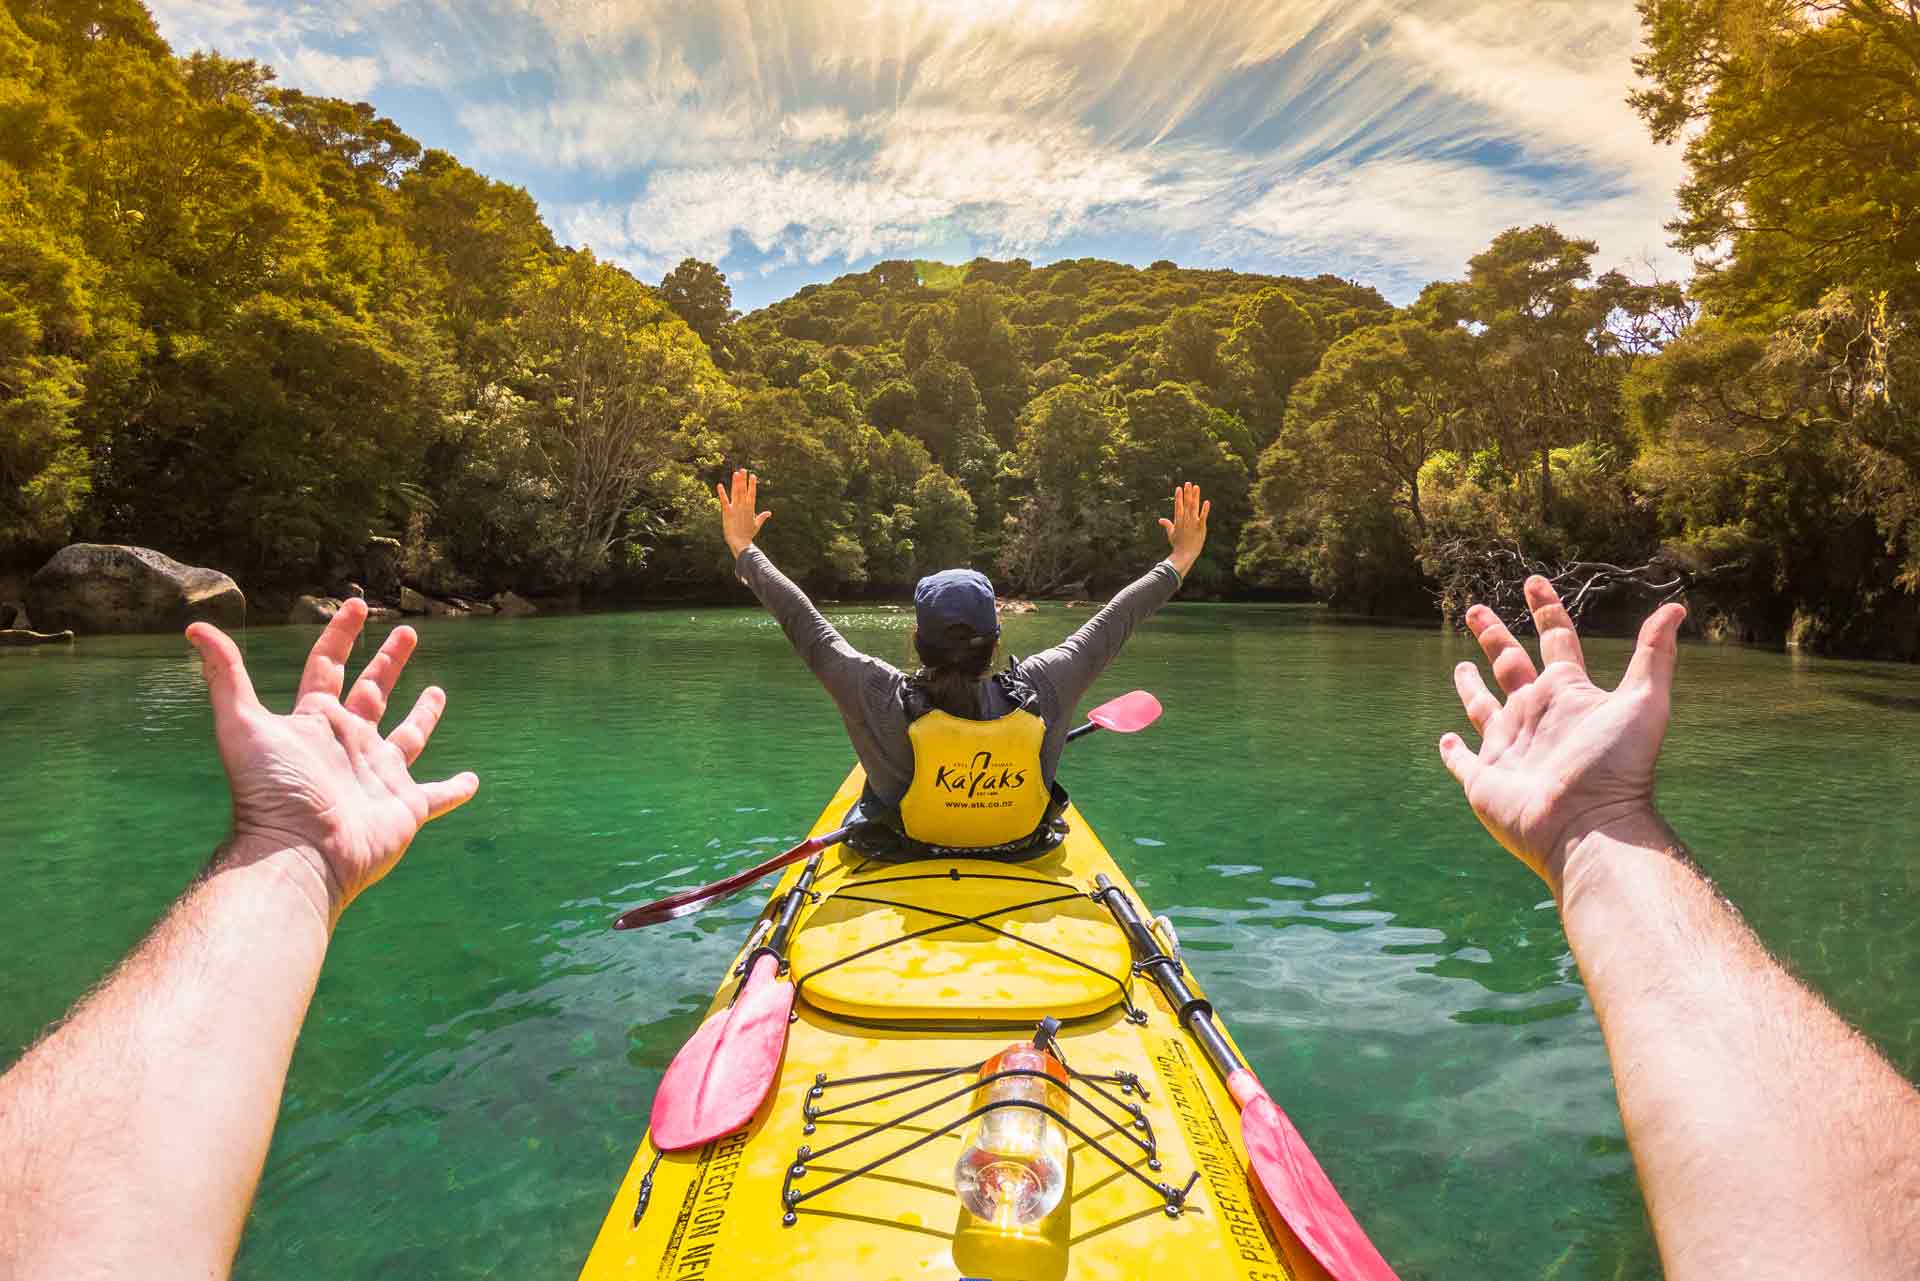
[103, 587]
[508, 605]
[313, 609]
[412, 602]
[380, 566]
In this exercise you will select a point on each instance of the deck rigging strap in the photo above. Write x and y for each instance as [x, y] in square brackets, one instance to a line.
[1063, 893]
[1173, 1200]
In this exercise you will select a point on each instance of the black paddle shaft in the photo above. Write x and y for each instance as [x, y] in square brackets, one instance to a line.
[790, 903]
[1195, 1011]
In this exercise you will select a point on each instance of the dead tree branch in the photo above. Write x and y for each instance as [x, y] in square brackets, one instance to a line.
[1494, 574]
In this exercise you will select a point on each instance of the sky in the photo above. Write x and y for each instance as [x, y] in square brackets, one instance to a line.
[792, 141]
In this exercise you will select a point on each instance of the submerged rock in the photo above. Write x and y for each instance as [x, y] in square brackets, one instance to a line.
[412, 602]
[13, 637]
[1015, 607]
[105, 587]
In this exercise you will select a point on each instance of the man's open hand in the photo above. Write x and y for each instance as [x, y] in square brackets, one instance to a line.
[319, 788]
[1561, 758]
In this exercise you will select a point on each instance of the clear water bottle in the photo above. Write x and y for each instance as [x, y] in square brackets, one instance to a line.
[1012, 1169]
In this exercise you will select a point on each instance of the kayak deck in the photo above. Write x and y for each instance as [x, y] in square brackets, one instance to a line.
[909, 976]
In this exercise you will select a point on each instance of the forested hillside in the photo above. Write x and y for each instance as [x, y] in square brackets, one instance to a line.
[252, 328]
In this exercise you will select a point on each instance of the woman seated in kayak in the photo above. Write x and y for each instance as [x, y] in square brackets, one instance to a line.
[956, 756]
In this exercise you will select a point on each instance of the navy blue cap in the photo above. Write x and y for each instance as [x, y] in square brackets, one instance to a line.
[955, 598]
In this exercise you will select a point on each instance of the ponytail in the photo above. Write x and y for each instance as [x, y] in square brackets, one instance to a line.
[952, 671]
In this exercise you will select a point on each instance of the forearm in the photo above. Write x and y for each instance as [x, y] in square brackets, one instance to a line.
[804, 624]
[131, 1137]
[839, 665]
[1770, 1138]
[1075, 663]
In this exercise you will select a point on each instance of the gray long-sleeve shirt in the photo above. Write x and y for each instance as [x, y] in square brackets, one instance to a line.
[867, 690]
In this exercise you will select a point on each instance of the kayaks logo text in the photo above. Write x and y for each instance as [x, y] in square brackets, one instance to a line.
[978, 777]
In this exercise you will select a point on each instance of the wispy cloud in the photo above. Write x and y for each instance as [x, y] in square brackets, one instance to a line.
[1385, 138]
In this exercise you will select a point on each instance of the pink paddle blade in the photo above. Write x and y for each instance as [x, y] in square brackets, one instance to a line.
[721, 1076]
[1128, 713]
[1300, 1190]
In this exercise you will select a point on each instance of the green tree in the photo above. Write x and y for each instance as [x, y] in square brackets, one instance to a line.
[699, 294]
[1540, 370]
[803, 482]
[1189, 349]
[1803, 164]
[979, 337]
[1273, 343]
[1063, 527]
[1171, 436]
[483, 239]
[946, 407]
[943, 522]
[624, 391]
[1381, 397]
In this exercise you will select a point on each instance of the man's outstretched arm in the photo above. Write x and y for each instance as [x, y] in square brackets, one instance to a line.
[132, 1135]
[1770, 1138]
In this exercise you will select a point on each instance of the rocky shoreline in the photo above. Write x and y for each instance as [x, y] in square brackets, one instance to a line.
[109, 588]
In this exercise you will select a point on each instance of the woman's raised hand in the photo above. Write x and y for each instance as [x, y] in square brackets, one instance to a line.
[739, 523]
[1187, 531]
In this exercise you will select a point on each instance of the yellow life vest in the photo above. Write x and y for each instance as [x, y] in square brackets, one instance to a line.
[975, 783]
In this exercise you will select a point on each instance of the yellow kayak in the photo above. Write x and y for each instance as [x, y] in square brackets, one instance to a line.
[910, 977]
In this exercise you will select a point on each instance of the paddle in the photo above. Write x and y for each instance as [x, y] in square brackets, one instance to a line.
[676, 905]
[718, 1080]
[1127, 714]
[1281, 1163]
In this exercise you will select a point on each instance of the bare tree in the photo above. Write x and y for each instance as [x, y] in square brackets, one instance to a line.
[1493, 574]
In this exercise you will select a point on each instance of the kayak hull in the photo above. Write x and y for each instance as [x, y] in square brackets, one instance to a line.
[840, 1174]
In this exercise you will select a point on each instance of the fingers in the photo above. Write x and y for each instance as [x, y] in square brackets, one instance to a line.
[370, 693]
[1166, 525]
[760, 520]
[1205, 508]
[411, 735]
[1459, 759]
[1512, 668]
[1657, 651]
[228, 685]
[753, 493]
[326, 669]
[1559, 642]
[450, 793]
[721, 492]
[1474, 696]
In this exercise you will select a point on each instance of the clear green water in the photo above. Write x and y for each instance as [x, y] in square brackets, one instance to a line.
[478, 1062]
